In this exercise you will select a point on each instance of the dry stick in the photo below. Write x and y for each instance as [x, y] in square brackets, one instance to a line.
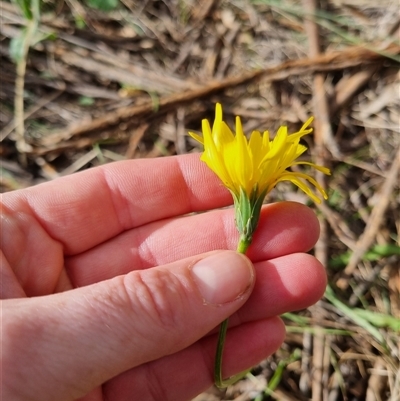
[80, 162]
[135, 139]
[21, 144]
[373, 223]
[327, 62]
[326, 363]
[321, 109]
[305, 377]
[199, 14]
[396, 387]
[180, 143]
[346, 88]
[323, 136]
[377, 380]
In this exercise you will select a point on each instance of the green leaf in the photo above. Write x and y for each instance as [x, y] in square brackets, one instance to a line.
[353, 315]
[17, 47]
[40, 36]
[25, 7]
[86, 101]
[379, 319]
[80, 22]
[103, 5]
[278, 374]
[377, 252]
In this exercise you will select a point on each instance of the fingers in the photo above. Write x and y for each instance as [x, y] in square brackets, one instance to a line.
[88, 208]
[284, 228]
[117, 324]
[182, 376]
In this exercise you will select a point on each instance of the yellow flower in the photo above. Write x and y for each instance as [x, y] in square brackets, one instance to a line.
[256, 165]
[250, 168]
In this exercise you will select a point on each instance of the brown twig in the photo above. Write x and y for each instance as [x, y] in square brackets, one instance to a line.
[134, 140]
[21, 144]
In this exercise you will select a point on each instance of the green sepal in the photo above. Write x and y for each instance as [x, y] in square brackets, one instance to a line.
[247, 213]
[256, 210]
[242, 212]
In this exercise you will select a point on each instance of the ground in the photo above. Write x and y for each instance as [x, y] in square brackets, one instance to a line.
[87, 83]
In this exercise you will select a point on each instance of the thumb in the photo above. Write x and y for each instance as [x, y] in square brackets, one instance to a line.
[83, 337]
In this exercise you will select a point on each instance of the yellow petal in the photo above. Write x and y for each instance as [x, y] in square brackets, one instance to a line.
[197, 137]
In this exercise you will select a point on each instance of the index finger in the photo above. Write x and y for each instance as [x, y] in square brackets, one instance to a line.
[88, 208]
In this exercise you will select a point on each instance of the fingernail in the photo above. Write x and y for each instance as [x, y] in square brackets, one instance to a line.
[223, 277]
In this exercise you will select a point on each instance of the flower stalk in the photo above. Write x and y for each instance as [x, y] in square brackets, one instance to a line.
[219, 381]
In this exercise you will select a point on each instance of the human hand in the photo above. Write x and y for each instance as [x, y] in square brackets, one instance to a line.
[111, 291]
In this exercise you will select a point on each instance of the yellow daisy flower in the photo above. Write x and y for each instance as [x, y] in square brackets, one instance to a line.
[256, 165]
[250, 168]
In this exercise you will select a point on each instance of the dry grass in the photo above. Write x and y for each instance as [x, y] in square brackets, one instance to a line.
[131, 82]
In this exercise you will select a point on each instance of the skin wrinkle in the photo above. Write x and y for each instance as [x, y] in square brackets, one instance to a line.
[186, 185]
[118, 201]
[11, 242]
[74, 271]
[154, 387]
[27, 323]
[206, 357]
[179, 181]
[25, 224]
[180, 198]
[64, 282]
[107, 299]
[227, 224]
[200, 352]
[164, 314]
[203, 356]
[147, 257]
[43, 224]
[111, 300]
[123, 295]
[150, 242]
[53, 210]
[10, 286]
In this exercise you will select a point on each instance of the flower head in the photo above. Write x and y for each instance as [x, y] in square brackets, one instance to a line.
[255, 165]
[250, 168]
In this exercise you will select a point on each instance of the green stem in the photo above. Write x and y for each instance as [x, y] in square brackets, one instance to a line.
[244, 243]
